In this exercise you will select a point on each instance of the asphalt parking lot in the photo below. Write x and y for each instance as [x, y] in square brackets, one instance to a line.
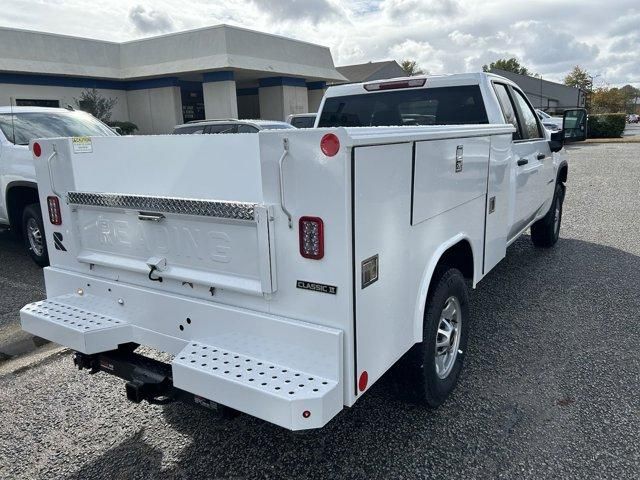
[550, 387]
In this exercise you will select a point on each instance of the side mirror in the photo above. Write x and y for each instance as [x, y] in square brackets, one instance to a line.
[574, 125]
[557, 141]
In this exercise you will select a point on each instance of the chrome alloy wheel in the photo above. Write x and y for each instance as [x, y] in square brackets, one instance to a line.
[34, 235]
[448, 337]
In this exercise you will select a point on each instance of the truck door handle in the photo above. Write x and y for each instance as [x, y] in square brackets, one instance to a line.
[522, 161]
[541, 156]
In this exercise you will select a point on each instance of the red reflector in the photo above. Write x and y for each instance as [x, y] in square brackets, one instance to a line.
[311, 233]
[414, 82]
[54, 210]
[364, 380]
[329, 144]
[306, 414]
[37, 149]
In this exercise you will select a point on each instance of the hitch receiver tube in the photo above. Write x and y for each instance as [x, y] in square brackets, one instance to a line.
[147, 379]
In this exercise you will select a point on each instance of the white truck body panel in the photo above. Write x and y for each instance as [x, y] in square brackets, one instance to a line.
[16, 167]
[234, 279]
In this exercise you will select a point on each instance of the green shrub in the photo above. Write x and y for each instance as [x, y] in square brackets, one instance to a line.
[126, 128]
[607, 125]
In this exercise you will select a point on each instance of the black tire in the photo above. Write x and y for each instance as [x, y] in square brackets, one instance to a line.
[32, 218]
[546, 231]
[416, 371]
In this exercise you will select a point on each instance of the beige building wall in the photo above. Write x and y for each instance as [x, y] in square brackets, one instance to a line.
[155, 110]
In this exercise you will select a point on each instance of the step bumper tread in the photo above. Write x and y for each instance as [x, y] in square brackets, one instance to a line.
[280, 394]
[71, 320]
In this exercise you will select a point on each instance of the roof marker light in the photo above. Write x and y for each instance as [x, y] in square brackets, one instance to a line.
[330, 144]
[411, 83]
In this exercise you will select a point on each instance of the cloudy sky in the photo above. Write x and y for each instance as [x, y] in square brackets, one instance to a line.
[444, 36]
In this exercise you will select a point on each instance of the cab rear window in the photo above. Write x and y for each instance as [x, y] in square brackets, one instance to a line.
[424, 106]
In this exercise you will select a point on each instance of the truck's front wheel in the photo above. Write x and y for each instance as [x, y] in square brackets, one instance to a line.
[430, 370]
[546, 231]
[33, 234]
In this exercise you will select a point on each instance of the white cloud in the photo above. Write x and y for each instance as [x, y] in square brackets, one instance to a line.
[150, 21]
[423, 53]
[313, 10]
[443, 36]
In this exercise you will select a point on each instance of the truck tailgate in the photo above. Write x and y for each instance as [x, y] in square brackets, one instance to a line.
[194, 215]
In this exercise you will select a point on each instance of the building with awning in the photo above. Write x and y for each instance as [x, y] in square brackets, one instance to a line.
[158, 82]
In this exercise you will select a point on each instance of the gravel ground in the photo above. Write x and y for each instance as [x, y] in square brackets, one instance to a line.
[550, 388]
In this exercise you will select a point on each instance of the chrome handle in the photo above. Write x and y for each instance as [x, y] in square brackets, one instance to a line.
[151, 217]
[53, 185]
[285, 143]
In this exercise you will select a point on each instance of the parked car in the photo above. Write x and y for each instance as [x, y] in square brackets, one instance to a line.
[230, 125]
[286, 277]
[552, 123]
[302, 120]
[19, 201]
[633, 118]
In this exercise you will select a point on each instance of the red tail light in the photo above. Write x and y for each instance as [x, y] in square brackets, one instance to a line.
[311, 232]
[55, 216]
[37, 149]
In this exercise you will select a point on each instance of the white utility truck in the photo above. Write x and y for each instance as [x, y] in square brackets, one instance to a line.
[286, 271]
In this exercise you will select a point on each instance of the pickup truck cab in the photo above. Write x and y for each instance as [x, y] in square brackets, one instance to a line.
[19, 206]
[286, 271]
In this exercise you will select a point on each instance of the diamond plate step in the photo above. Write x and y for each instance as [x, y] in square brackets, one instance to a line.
[71, 320]
[280, 394]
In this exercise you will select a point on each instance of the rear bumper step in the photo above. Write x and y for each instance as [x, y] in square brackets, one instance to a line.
[281, 394]
[82, 323]
[265, 383]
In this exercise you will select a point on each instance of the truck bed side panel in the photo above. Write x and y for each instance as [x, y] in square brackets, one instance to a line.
[389, 311]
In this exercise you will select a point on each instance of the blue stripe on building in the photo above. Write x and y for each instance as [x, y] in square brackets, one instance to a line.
[86, 82]
[222, 76]
[316, 85]
[282, 82]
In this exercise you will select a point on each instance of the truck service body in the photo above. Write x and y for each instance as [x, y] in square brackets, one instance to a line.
[287, 271]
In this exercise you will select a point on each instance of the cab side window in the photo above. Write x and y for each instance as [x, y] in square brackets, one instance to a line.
[530, 126]
[507, 108]
[221, 128]
[244, 128]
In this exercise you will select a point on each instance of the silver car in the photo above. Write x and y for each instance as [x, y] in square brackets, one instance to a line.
[229, 125]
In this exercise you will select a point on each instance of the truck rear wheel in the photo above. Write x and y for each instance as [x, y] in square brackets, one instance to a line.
[430, 369]
[33, 234]
[546, 231]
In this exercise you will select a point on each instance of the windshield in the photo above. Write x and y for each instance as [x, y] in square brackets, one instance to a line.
[27, 126]
[424, 106]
